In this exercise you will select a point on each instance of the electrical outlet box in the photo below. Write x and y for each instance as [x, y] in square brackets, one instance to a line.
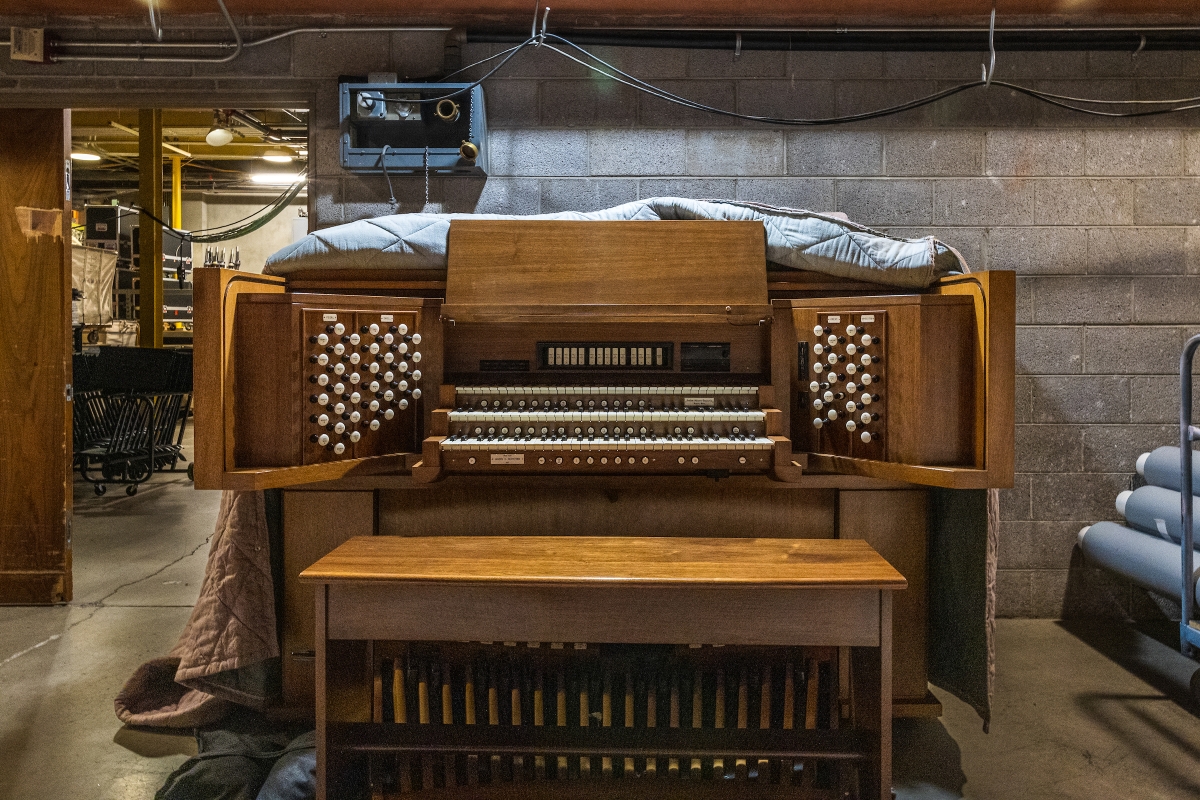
[28, 44]
[423, 126]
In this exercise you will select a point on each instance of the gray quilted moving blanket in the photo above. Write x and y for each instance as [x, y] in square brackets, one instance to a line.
[796, 239]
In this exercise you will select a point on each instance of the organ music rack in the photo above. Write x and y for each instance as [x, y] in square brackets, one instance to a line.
[526, 297]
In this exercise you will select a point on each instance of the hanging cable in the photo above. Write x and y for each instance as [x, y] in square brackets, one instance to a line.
[383, 163]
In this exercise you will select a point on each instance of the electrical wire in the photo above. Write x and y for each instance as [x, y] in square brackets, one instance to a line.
[383, 163]
[225, 232]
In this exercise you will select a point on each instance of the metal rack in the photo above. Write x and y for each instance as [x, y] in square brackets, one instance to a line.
[1189, 630]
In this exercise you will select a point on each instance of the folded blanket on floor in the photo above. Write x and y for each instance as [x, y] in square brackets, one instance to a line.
[228, 646]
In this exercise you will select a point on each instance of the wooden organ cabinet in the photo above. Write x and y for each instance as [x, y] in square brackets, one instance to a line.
[604, 379]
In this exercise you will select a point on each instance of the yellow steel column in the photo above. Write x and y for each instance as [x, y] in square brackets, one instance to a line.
[176, 192]
[150, 198]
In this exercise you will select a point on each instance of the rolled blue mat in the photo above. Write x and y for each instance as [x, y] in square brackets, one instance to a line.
[1149, 562]
[1161, 468]
[1156, 511]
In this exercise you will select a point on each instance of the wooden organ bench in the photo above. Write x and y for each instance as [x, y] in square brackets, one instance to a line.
[607, 667]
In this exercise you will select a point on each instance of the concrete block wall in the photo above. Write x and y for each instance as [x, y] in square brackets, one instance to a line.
[1099, 217]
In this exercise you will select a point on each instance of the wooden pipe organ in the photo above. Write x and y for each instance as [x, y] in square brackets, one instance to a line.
[624, 360]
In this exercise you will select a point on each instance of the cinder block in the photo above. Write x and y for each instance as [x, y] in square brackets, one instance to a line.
[366, 196]
[1115, 448]
[417, 55]
[805, 193]
[1080, 398]
[834, 152]
[983, 201]
[1145, 64]
[786, 99]
[10, 67]
[1082, 301]
[1048, 590]
[967, 241]
[1191, 249]
[1136, 152]
[474, 52]
[658, 113]
[324, 152]
[1015, 545]
[1086, 201]
[862, 96]
[1049, 448]
[458, 195]
[156, 86]
[647, 63]
[537, 153]
[738, 153]
[509, 196]
[157, 69]
[934, 153]
[1166, 300]
[1132, 350]
[511, 103]
[1024, 301]
[274, 60]
[1049, 350]
[886, 202]
[1050, 116]
[1041, 64]
[318, 55]
[324, 202]
[834, 64]
[586, 194]
[1038, 251]
[1155, 399]
[713, 63]
[1094, 593]
[588, 103]
[1134, 251]
[1191, 152]
[943, 66]
[694, 188]
[1028, 153]
[1077, 496]
[1023, 400]
[540, 62]
[1167, 201]
[616, 152]
[994, 107]
[1016, 502]
[1052, 546]
[1014, 593]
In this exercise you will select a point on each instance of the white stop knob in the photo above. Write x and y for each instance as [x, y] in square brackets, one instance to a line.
[374, 424]
[416, 357]
[355, 397]
[323, 399]
[865, 418]
[339, 448]
[388, 395]
[322, 379]
[355, 416]
[339, 329]
[374, 387]
[866, 359]
[402, 366]
[827, 397]
[866, 436]
[851, 407]
[850, 368]
[323, 420]
[818, 367]
[322, 339]
[388, 338]
[374, 329]
[403, 329]
[866, 379]
[323, 439]
[816, 330]
[340, 408]
[850, 387]
[851, 330]
[403, 385]
[403, 348]
[354, 338]
[339, 388]
[851, 349]
[416, 338]
[850, 425]
[388, 358]
[832, 339]
[355, 436]
[818, 348]
[817, 404]
[339, 369]
[818, 422]
[374, 368]
[339, 428]
[865, 399]
[832, 414]
[866, 339]
[374, 348]
[416, 394]
[416, 377]
[374, 405]
[339, 349]
[322, 359]
[814, 387]
[832, 358]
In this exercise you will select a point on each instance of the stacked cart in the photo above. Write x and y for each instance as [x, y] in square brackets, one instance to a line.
[130, 414]
[1155, 548]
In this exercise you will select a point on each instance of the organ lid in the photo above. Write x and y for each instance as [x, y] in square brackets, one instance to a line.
[544, 268]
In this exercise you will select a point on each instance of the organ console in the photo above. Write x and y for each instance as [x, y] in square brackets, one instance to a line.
[590, 378]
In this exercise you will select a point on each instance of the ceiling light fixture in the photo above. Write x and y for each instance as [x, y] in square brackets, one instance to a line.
[83, 155]
[277, 156]
[276, 178]
[219, 134]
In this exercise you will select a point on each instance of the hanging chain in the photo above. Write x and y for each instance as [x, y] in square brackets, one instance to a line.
[426, 176]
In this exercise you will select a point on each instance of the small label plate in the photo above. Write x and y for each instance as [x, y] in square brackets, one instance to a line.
[508, 458]
[329, 317]
[698, 402]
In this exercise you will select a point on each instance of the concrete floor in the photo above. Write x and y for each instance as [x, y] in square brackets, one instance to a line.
[1080, 712]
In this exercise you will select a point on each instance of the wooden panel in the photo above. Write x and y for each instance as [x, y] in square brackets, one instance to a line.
[608, 561]
[598, 506]
[314, 523]
[597, 614]
[507, 262]
[35, 359]
[215, 296]
[893, 523]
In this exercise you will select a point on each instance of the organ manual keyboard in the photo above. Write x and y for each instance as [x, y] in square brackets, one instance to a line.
[646, 355]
